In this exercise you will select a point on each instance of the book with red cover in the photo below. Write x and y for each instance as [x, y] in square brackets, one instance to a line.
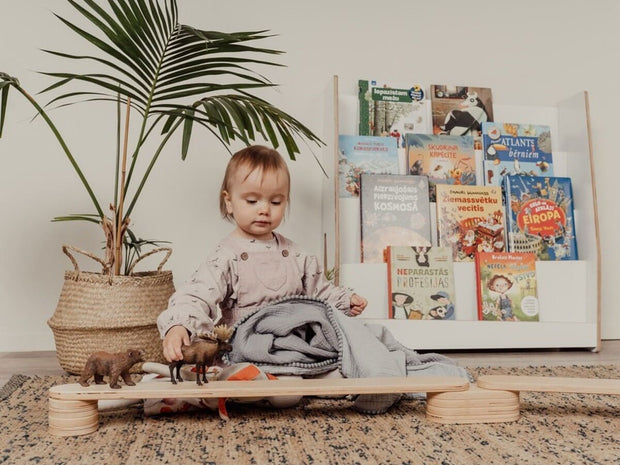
[470, 219]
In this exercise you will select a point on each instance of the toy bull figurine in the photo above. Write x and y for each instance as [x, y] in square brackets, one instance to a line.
[203, 353]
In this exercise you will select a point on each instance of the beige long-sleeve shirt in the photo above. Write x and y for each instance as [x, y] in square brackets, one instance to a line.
[243, 274]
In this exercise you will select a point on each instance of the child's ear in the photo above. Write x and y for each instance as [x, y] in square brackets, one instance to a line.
[227, 202]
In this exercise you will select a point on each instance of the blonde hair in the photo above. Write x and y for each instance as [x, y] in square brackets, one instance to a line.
[253, 157]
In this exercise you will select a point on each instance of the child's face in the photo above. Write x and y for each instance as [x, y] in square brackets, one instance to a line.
[257, 201]
[500, 285]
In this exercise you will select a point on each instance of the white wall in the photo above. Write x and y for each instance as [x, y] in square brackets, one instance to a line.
[529, 52]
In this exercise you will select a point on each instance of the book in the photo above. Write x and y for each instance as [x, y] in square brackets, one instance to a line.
[420, 283]
[506, 286]
[386, 110]
[512, 148]
[364, 154]
[394, 210]
[460, 110]
[540, 216]
[444, 159]
[470, 219]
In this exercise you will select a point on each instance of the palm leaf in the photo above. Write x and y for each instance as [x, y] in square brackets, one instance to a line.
[93, 218]
[159, 62]
[6, 82]
[4, 98]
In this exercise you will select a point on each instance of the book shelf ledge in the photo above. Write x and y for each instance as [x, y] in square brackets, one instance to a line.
[561, 291]
[463, 335]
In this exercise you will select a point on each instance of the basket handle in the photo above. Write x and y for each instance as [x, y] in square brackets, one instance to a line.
[66, 248]
[168, 251]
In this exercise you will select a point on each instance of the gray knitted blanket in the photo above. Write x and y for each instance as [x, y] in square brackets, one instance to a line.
[304, 336]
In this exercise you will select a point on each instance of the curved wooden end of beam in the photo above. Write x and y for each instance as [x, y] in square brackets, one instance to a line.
[72, 417]
[549, 384]
[472, 406]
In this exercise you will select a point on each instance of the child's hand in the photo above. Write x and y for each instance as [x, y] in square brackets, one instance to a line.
[358, 304]
[175, 338]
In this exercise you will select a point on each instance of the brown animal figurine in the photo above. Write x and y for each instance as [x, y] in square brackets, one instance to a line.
[101, 364]
[203, 353]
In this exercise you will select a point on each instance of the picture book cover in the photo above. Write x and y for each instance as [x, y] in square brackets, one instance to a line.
[470, 219]
[364, 154]
[506, 286]
[394, 210]
[461, 110]
[444, 159]
[540, 217]
[387, 110]
[511, 148]
[420, 283]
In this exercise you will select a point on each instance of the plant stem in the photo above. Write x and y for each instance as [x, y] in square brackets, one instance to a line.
[118, 146]
[119, 213]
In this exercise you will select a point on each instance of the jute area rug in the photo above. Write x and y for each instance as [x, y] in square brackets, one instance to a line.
[553, 429]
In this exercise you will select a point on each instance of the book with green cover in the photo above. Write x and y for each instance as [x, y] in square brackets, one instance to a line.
[388, 110]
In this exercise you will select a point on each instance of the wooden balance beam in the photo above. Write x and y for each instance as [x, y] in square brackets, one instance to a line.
[73, 408]
[495, 398]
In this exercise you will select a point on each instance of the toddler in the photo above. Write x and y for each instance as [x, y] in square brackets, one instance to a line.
[254, 264]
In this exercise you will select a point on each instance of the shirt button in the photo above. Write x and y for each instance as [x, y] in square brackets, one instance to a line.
[244, 256]
[285, 253]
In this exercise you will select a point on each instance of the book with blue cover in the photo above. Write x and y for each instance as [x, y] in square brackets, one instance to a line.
[540, 216]
[512, 148]
[364, 154]
[394, 210]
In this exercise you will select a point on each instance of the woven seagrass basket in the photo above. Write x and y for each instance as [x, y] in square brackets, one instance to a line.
[111, 313]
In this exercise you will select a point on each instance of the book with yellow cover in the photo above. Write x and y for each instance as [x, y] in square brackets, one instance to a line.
[444, 159]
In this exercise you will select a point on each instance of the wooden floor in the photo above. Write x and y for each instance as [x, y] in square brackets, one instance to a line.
[45, 363]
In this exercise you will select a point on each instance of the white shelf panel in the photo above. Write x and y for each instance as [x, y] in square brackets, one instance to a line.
[465, 335]
[561, 292]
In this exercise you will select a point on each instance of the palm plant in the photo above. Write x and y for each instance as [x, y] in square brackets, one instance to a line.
[154, 67]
